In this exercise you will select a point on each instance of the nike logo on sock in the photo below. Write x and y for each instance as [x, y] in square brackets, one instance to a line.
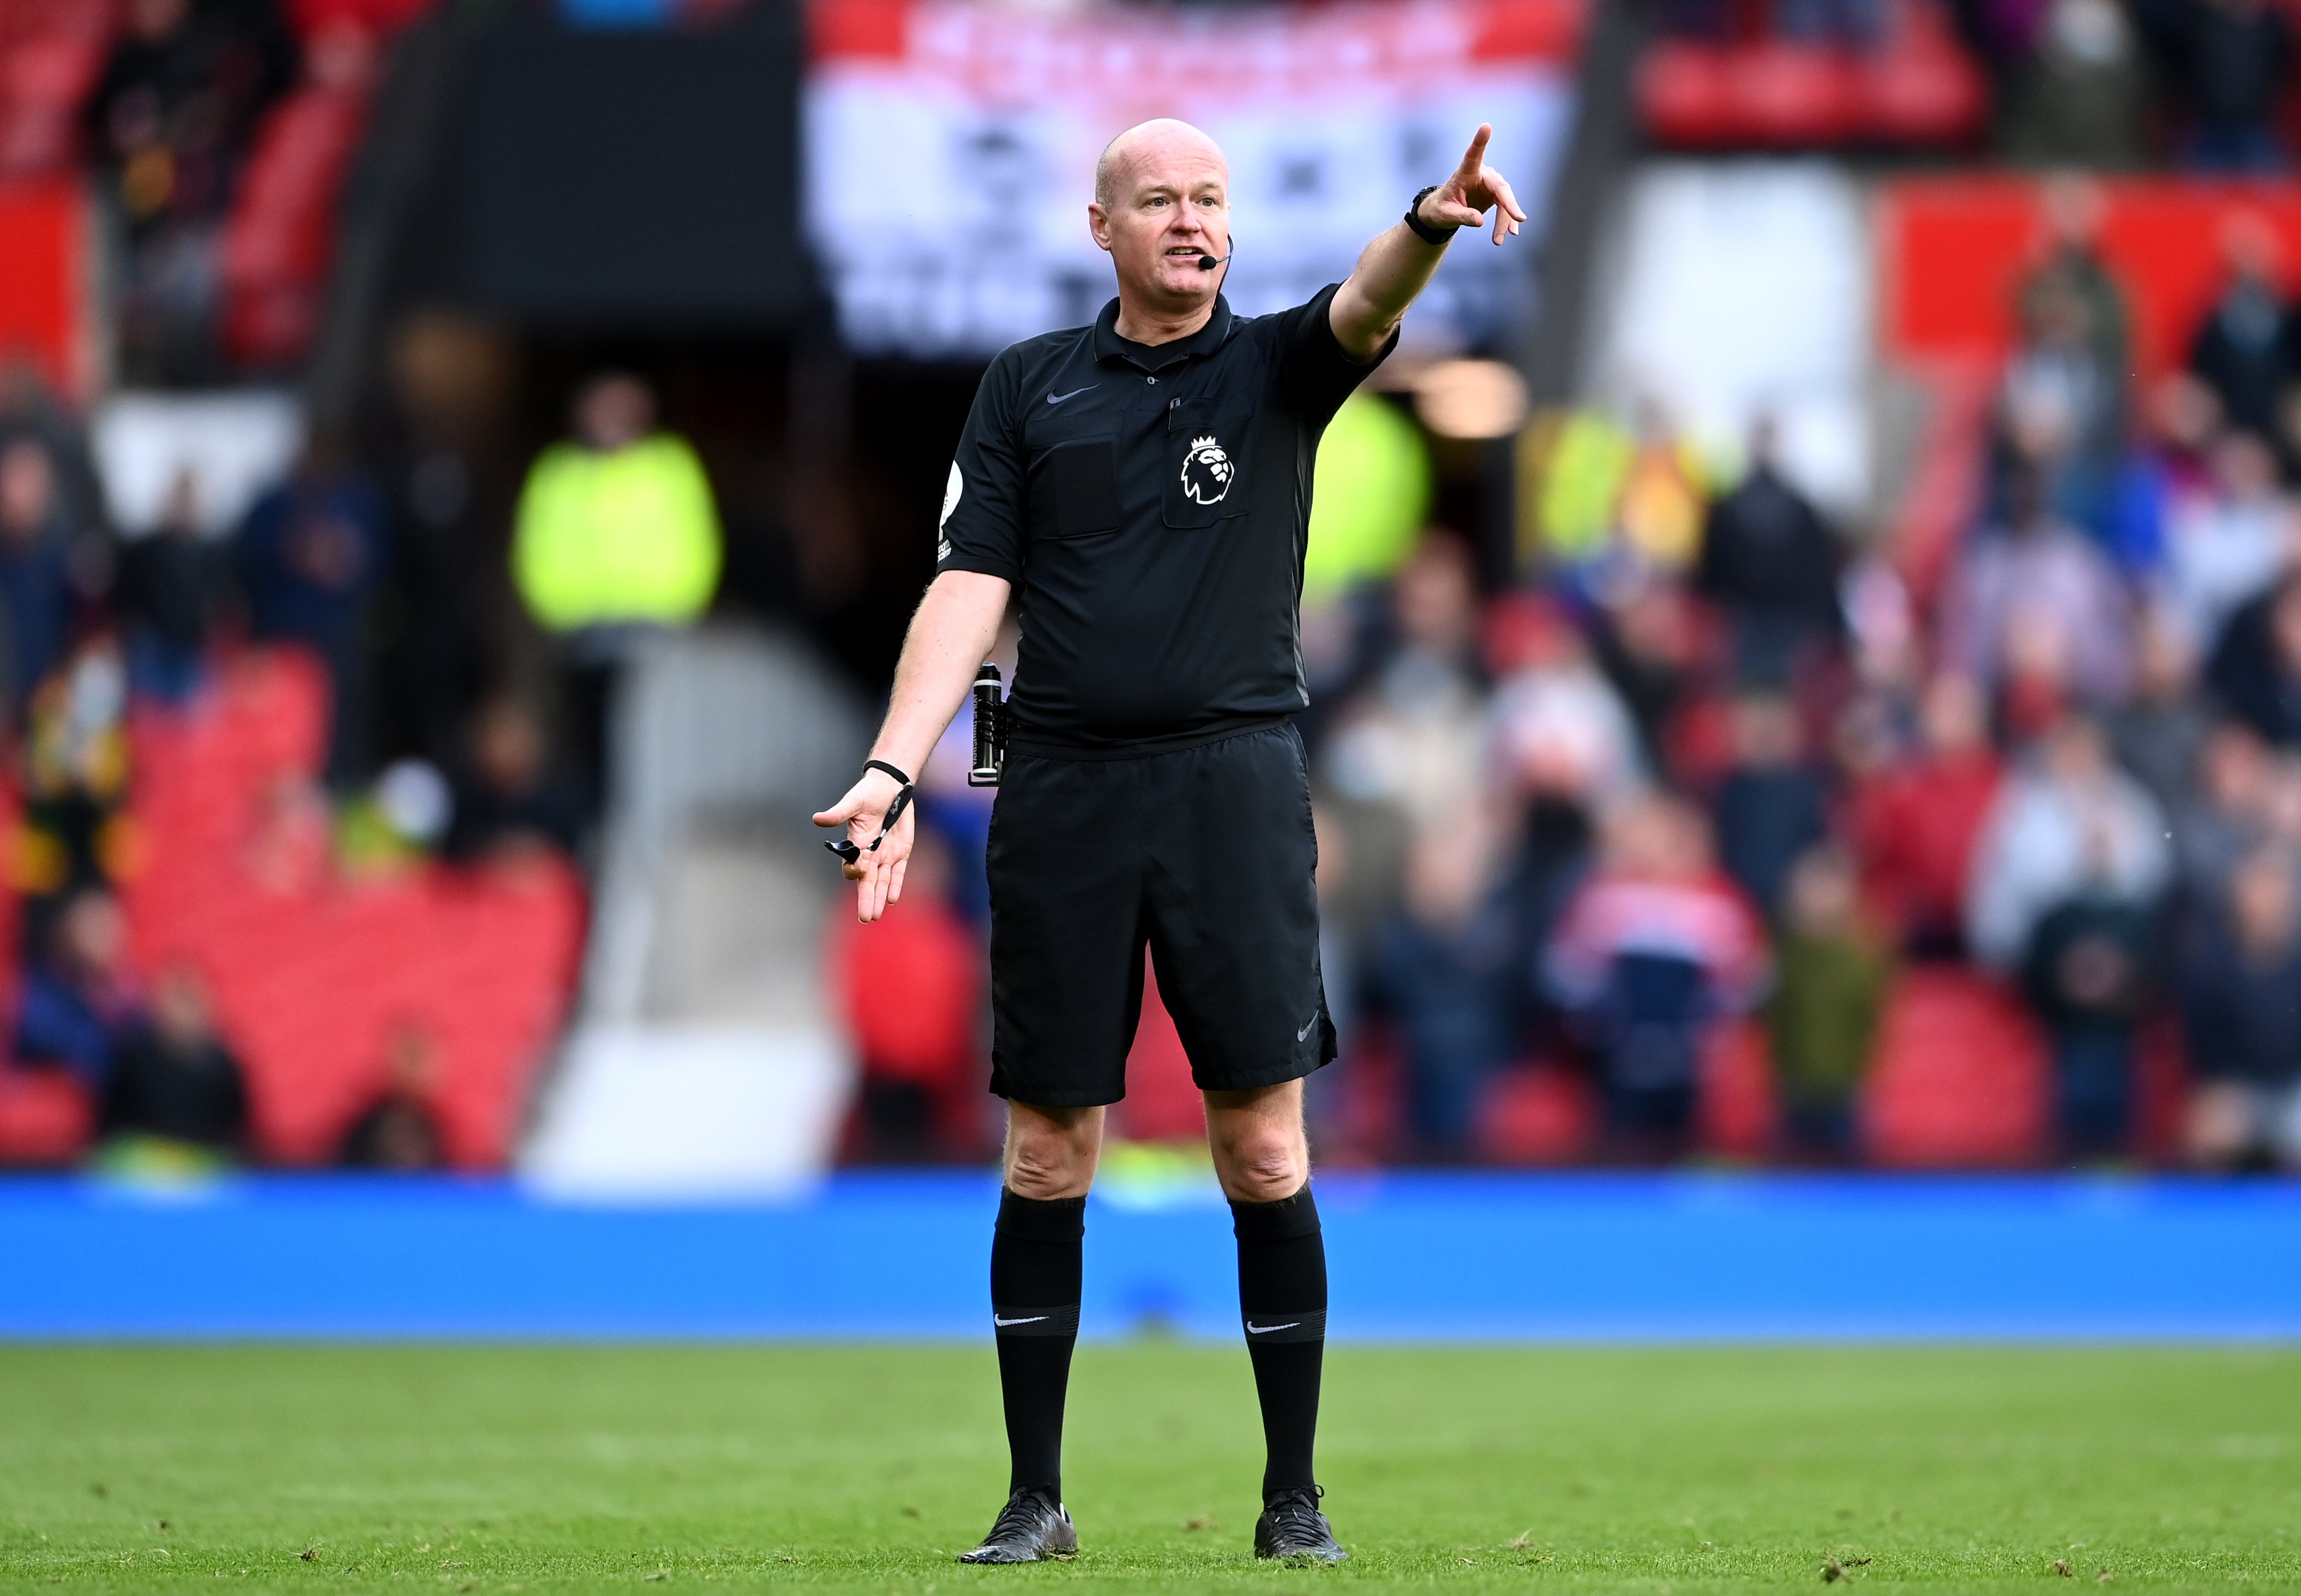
[1056, 398]
[1034, 1319]
[1254, 1329]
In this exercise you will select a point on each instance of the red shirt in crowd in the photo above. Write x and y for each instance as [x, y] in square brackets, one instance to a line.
[1914, 830]
[908, 988]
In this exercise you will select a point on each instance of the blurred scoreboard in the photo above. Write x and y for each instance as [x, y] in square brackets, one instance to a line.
[951, 149]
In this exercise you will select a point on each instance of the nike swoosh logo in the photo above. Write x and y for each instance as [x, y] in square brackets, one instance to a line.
[1304, 1034]
[1034, 1319]
[1056, 398]
[1254, 1329]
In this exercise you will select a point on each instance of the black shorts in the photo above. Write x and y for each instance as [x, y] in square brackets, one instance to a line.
[1206, 854]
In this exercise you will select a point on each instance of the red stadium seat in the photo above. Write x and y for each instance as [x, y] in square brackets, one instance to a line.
[1960, 1077]
[1795, 95]
[1684, 96]
[46, 1120]
[1925, 90]
[1737, 1091]
[311, 973]
[1537, 1115]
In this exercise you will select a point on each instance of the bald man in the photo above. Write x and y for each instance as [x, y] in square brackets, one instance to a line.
[1144, 485]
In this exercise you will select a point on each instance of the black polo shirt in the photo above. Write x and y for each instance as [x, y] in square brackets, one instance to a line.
[1152, 504]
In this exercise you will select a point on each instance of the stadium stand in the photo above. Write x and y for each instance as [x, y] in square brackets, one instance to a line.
[1968, 315]
[312, 972]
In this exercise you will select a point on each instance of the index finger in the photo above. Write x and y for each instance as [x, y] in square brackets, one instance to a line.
[1474, 156]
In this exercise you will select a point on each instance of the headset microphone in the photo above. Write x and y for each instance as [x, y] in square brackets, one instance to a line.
[1207, 262]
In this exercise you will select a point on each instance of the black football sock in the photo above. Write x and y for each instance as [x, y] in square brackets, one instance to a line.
[1281, 1295]
[1035, 1307]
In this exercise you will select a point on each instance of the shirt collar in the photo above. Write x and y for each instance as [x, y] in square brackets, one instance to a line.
[1158, 357]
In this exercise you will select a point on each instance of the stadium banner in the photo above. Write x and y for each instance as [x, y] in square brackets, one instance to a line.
[950, 150]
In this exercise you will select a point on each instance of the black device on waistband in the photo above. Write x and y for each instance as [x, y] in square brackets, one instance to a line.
[989, 730]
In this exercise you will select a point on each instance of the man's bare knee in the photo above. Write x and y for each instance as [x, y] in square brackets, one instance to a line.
[1051, 1153]
[1257, 1139]
[1265, 1171]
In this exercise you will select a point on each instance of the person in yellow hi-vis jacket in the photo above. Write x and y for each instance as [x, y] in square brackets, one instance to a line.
[616, 534]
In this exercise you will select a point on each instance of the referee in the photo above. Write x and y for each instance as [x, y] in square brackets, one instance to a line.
[1144, 483]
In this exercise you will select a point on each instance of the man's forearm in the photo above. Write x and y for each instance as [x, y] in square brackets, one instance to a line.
[1393, 270]
[953, 628]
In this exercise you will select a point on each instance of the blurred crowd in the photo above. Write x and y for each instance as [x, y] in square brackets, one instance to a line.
[102, 624]
[2201, 84]
[1714, 770]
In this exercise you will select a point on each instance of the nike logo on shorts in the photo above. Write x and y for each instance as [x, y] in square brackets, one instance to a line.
[1254, 1329]
[1304, 1034]
[1034, 1319]
[1056, 398]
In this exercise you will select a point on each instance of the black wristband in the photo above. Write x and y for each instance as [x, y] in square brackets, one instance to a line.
[847, 851]
[1437, 237]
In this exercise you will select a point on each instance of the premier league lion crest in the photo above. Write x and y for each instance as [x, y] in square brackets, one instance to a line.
[1207, 471]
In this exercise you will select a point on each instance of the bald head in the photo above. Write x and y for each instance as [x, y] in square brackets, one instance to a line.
[1150, 146]
[1162, 209]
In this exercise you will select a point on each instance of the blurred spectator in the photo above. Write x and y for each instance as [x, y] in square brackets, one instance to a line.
[2087, 974]
[2067, 825]
[1830, 989]
[399, 1130]
[2036, 606]
[1772, 561]
[1660, 513]
[2256, 667]
[174, 1079]
[2076, 328]
[1770, 807]
[509, 802]
[2226, 62]
[2081, 97]
[1850, 24]
[1914, 827]
[1415, 739]
[76, 1000]
[29, 409]
[36, 596]
[1558, 727]
[2159, 733]
[910, 987]
[1565, 749]
[2241, 1008]
[1441, 970]
[2227, 545]
[169, 123]
[2244, 349]
[76, 765]
[2066, 880]
[617, 529]
[2228, 813]
[170, 597]
[1648, 639]
[309, 554]
[1653, 948]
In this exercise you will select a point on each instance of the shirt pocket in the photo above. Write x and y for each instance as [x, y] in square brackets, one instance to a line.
[1206, 462]
[1077, 492]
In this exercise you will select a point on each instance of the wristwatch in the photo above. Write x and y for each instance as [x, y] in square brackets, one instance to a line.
[1435, 237]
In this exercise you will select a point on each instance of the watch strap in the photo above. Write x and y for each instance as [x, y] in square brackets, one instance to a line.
[1435, 237]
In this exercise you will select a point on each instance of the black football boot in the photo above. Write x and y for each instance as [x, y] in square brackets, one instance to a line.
[1292, 1527]
[1032, 1526]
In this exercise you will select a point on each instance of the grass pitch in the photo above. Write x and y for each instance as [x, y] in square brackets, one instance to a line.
[465, 1469]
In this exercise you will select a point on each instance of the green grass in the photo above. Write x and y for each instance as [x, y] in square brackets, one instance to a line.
[461, 1468]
